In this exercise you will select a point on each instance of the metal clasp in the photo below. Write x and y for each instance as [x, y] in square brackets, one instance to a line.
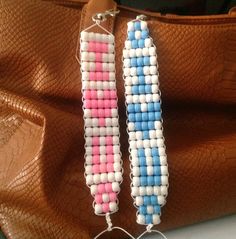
[102, 16]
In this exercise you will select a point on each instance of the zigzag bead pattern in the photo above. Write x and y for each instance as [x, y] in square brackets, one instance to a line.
[103, 165]
[146, 142]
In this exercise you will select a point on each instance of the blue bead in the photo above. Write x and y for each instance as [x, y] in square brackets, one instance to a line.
[148, 219]
[157, 180]
[143, 181]
[141, 153]
[144, 125]
[131, 35]
[137, 107]
[143, 210]
[146, 135]
[138, 116]
[151, 125]
[140, 61]
[144, 116]
[131, 117]
[138, 126]
[141, 89]
[148, 89]
[156, 170]
[137, 26]
[133, 62]
[157, 115]
[130, 108]
[141, 80]
[150, 107]
[154, 200]
[135, 90]
[141, 43]
[134, 44]
[150, 180]
[154, 152]
[143, 171]
[156, 160]
[144, 34]
[157, 106]
[157, 209]
[139, 71]
[146, 200]
[142, 161]
[146, 61]
[151, 116]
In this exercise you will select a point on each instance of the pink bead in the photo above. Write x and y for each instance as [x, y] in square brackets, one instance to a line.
[113, 94]
[110, 158]
[109, 149]
[101, 188]
[99, 66]
[107, 113]
[108, 187]
[99, 76]
[94, 113]
[102, 122]
[112, 197]
[95, 150]
[107, 103]
[105, 76]
[103, 168]
[87, 94]
[98, 47]
[109, 140]
[106, 94]
[100, 103]
[96, 169]
[95, 141]
[113, 104]
[98, 198]
[92, 46]
[94, 104]
[101, 113]
[92, 75]
[98, 57]
[93, 94]
[87, 104]
[104, 47]
[110, 167]
[105, 207]
[96, 159]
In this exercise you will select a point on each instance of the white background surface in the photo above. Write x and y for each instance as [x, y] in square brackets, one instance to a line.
[223, 228]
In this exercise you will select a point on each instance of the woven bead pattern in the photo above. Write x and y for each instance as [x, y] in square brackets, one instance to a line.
[147, 149]
[103, 165]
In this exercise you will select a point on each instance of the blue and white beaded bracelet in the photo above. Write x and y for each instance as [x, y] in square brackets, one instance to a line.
[146, 142]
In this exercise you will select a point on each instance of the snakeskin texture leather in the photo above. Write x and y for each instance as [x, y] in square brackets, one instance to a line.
[42, 186]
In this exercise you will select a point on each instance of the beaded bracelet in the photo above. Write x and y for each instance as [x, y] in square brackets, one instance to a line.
[149, 173]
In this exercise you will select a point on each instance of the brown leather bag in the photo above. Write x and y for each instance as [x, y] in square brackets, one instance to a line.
[42, 187]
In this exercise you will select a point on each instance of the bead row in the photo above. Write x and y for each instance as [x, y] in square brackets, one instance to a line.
[103, 165]
[149, 171]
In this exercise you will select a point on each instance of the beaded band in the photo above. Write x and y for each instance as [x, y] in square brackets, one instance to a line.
[103, 165]
[146, 142]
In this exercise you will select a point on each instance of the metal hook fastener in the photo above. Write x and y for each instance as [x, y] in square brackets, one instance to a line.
[141, 17]
[102, 16]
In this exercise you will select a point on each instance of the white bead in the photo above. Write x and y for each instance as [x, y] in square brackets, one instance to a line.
[102, 149]
[146, 143]
[164, 170]
[115, 139]
[153, 60]
[115, 123]
[134, 80]
[84, 36]
[98, 208]
[154, 79]
[109, 130]
[110, 48]
[113, 206]
[149, 170]
[112, 66]
[149, 98]
[161, 199]
[111, 177]
[115, 187]
[164, 190]
[126, 71]
[103, 159]
[135, 161]
[91, 36]
[126, 62]
[84, 46]
[152, 134]
[87, 113]
[140, 144]
[98, 37]
[88, 159]
[158, 124]
[136, 181]
[133, 145]
[153, 143]
[132, 136]
[139, 201]
[94, 189]
[136, 98]
[148, 152]
[148, 42]
[164, 180]
[104, 38]
[101, 131]
[156, 219]
[129, 99]
[160, 142]
[111, 38]
[118, 176]
[88, 123]
[128, 90]
[133, 71]
[105, 197]
[139, 52]
[88, 169]
[89, 179]
[142, 98]
[116, 149]
[150, 209]
[163, 160]
[84, 56]
[148, 79]
[96, 178]
[162, 151]
[149, 161]
[135, 191]
[146, 70]
[157, 190]
[149, 190]
[135, 171]
[117, 157]
[152, 51]
[145, 51]
[111, 57]
[159, 133]
[117, 167]
[88, 150]
[128, 44]
[130, 26]
[154, 89]
[112, 76]
[88, 132]
[131, 126]
[142, 191]
[153, 70]
[115, 131]
[139, 135]
[114, 113]
[143, 25]
[137, 35]
[85, 66]
[108, 121]
[134, 153]
[85, 75]
[126, 53]
[132, 53]
[141, 219]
